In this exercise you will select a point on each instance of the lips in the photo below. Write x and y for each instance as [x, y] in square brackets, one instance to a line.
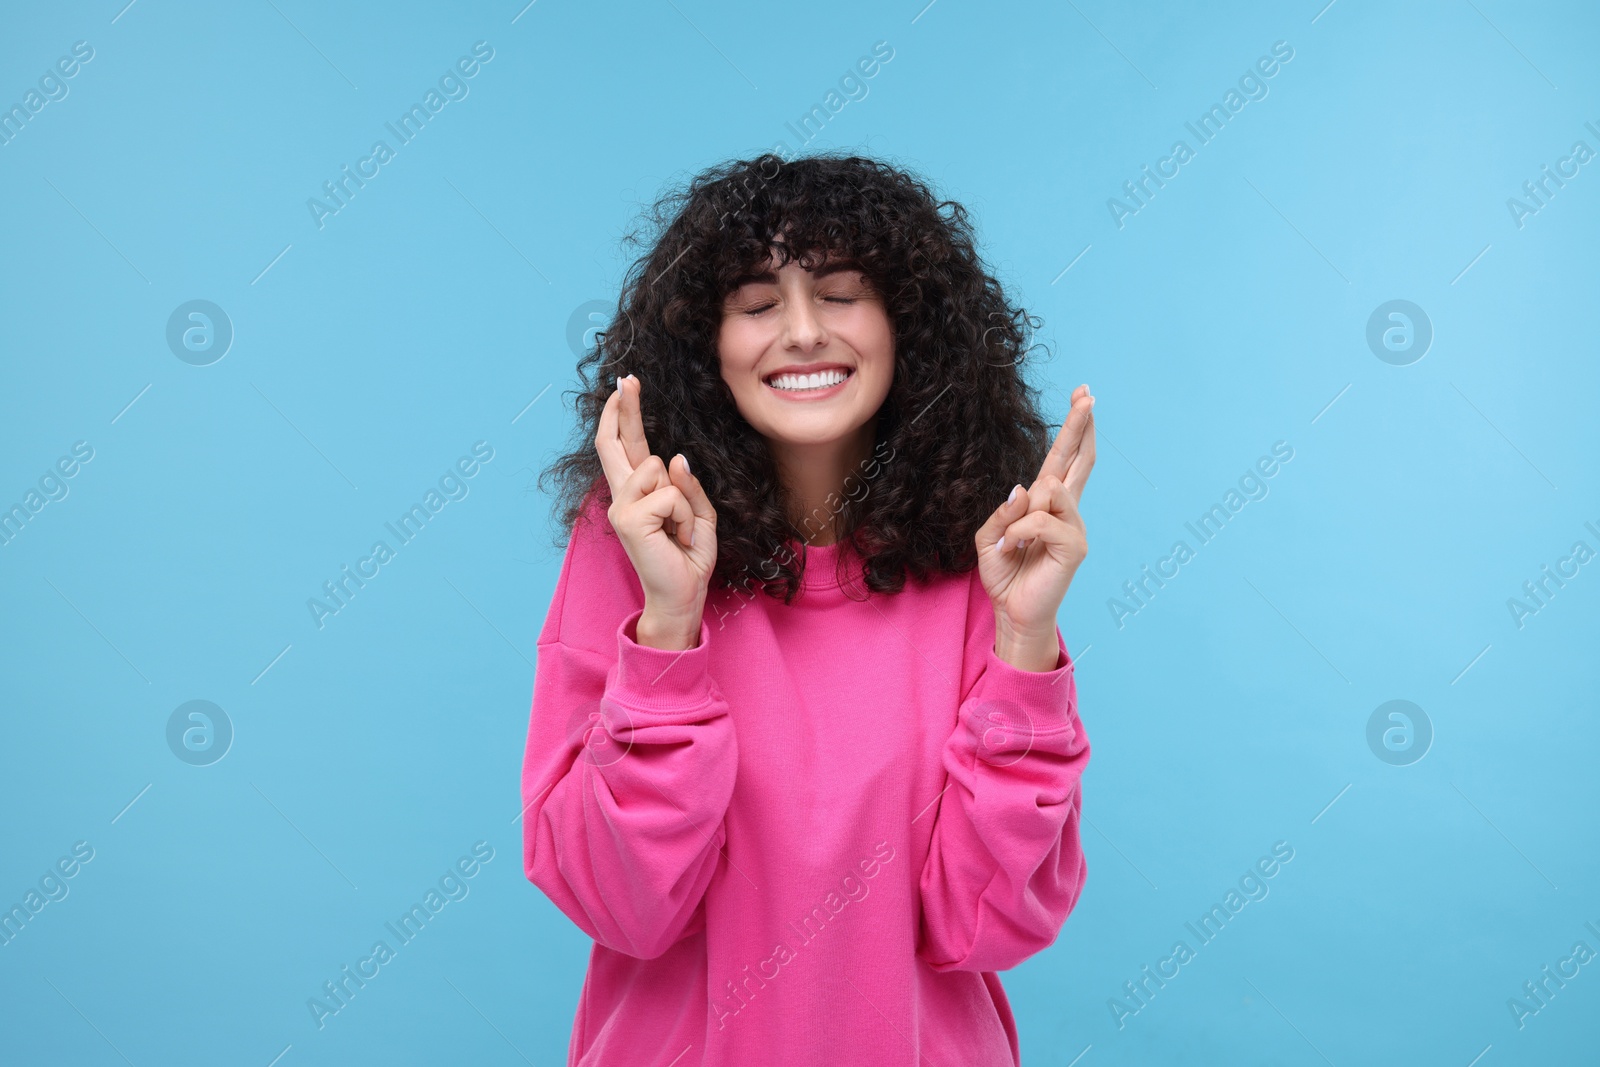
[809, 381]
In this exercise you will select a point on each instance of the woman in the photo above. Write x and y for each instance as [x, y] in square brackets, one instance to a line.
[807, 808]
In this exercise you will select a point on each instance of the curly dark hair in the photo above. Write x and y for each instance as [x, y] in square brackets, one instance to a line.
[959, 427]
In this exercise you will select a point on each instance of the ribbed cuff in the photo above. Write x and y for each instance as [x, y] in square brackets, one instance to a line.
[656, 679]
[1051, 697]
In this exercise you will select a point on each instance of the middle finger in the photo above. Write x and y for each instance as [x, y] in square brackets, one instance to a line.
[630, 422]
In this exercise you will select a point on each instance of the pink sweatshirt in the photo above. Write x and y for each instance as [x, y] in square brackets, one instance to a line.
[811, 839]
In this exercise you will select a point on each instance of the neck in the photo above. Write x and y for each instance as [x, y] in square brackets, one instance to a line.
[815, 475]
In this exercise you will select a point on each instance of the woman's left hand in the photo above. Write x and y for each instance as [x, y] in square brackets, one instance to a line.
[1031, 546]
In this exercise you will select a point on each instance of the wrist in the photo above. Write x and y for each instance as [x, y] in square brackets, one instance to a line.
[671, 631]
[1026, 648]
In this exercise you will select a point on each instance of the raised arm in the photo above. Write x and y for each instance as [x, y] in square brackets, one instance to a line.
[1005, 866]
[629, 767]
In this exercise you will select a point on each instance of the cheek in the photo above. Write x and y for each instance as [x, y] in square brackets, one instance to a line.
[738, 355]
[881, 329]
[874, 343]
[737, 352]
[880, 390]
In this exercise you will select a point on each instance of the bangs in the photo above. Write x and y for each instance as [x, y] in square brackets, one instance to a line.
[767, 223]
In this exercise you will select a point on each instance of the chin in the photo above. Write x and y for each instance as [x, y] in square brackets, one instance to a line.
[808, 435]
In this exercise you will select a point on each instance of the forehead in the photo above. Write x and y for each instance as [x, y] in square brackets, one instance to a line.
[767, 275]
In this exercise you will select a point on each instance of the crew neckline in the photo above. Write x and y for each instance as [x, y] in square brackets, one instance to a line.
[821, 566]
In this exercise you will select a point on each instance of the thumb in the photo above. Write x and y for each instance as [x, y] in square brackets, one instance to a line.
[1015, 506]
[693, 491]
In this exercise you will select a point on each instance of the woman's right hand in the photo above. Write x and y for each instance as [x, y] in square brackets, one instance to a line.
[664, 519]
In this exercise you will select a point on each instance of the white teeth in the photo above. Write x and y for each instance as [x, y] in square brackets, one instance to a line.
[801, 382]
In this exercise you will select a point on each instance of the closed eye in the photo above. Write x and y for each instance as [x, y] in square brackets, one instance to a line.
[834, 299]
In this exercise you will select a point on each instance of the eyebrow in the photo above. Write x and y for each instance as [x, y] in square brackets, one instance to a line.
[768, 277]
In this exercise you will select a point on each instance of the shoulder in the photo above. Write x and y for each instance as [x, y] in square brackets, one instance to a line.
[597, 587]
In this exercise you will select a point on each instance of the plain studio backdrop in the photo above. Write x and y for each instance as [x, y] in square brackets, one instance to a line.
[230, 370]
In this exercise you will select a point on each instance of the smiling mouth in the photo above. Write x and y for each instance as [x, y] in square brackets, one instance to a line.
[815, 382]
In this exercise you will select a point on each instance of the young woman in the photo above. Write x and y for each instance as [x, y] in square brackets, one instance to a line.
[804, 752]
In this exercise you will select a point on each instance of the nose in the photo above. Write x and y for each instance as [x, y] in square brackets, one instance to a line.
[802, 327]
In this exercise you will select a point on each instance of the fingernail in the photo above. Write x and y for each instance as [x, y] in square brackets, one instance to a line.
[999, 546]
[1013, 497]
[685, 462]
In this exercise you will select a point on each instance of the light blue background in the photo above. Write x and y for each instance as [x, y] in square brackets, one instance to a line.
[426, 315]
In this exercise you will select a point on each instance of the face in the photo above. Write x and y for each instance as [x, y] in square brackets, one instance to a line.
[808, 355]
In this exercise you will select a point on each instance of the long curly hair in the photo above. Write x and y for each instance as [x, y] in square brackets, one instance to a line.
[959, 427]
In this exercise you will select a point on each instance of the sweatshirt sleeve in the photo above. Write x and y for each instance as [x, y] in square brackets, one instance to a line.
[629, 764]
[1005, 866]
